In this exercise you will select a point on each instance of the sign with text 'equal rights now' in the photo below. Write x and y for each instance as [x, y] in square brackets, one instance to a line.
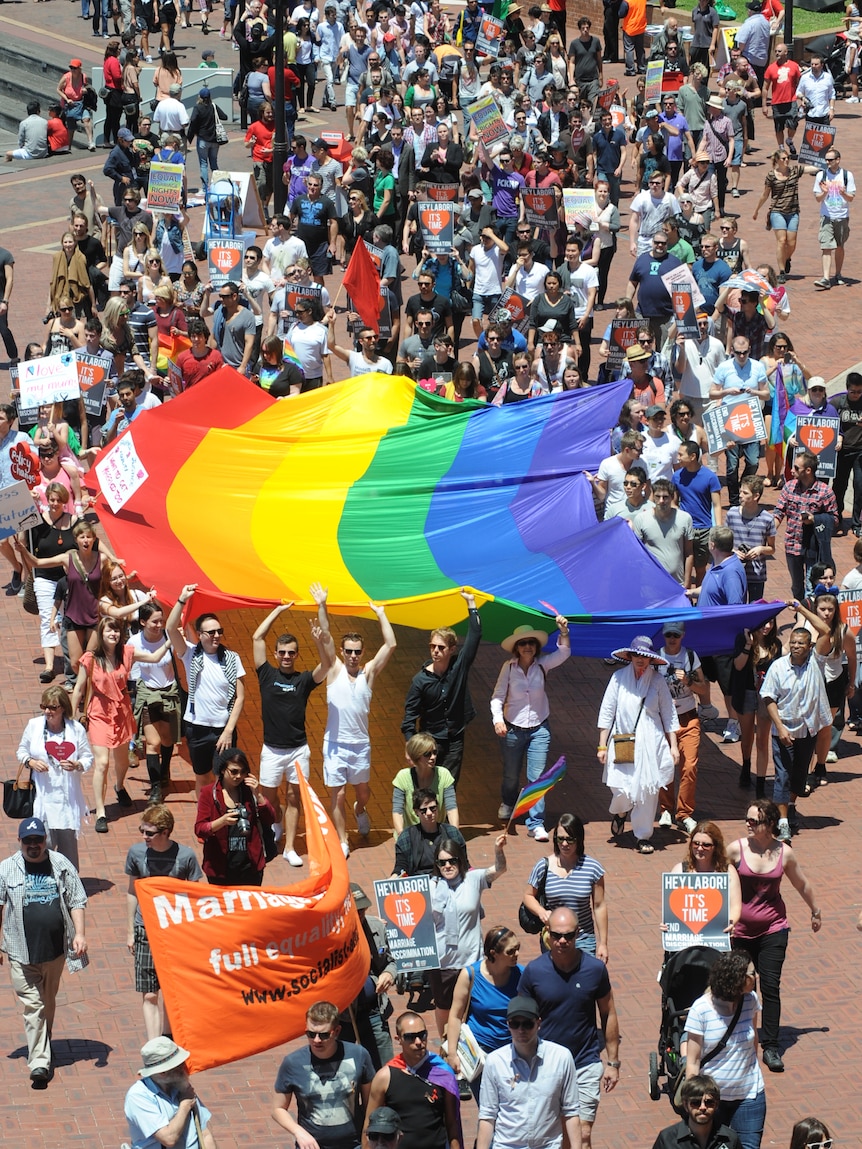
[239, 967]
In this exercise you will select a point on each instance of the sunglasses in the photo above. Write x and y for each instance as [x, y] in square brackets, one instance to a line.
[323, 1035]
[521, 1022]
[150, 833]
[48, 706]
[415, 1035]
[441, 862]
[220, 630]
[66, 309]
[755, 821]
[429, 809]
[567, 935]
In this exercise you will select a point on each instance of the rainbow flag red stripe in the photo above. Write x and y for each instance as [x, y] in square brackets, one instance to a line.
[533, 792]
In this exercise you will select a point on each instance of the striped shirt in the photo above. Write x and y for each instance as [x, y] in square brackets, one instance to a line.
[574, 891]
[736, 1069]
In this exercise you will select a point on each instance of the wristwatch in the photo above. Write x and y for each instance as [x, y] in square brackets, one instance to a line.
[614, 1064]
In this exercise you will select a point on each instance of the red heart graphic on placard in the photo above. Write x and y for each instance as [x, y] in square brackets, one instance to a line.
[740, 423]
[23, 465]
[404, 911]
[225, 258]
[814, 438]
[434, 221]
[695, 908]
[90, 374]
[61, 751]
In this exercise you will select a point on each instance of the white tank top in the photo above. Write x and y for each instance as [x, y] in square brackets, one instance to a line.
[348, 700]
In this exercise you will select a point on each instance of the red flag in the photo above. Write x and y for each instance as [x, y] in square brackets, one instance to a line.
[362, 283]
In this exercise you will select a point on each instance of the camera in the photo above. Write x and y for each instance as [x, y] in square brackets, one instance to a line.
[242, 825]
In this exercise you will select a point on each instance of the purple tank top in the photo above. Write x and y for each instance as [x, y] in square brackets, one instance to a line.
[82, 601]
[763, 908]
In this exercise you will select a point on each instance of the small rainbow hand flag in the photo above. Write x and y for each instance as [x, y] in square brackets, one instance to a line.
[289, 355]
[533, 792]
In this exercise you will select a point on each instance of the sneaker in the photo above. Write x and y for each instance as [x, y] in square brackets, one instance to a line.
[666, 818]
[735, 193]
[292, 858]
[124, 798]
[149, 59]
[822, 284]
[687, 824]
[707, 710]
[772, 1060]
[277, 833]
[102, 825]
[791, 148]
[783, 834]
[345, 849]
[538, 834]
[505, 812]
[731, 731]
[363, 822]
[852, 100]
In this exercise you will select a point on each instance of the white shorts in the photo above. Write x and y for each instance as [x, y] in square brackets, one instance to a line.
[277, 765]
[589, 1089]
[345, 762]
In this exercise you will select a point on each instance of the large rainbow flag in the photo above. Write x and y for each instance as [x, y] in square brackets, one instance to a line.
[385, 492]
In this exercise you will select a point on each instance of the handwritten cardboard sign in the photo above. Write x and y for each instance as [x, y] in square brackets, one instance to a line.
[24, 464]
[695, 909]
[52, 379]
[121, 473]
[17, 511]
[405, 906]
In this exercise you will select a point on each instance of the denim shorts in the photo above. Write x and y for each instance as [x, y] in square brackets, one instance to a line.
[781, 221]
[483, 305]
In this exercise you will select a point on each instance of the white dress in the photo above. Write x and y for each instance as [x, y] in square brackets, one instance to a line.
[636, 785]
[59, 799]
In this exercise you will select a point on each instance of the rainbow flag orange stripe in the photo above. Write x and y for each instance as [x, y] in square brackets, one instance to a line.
[533, 792]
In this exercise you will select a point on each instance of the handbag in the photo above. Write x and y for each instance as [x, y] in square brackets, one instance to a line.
[679, 1080]
[28, 598]
[267, 836]
[470, 1053]
[624, 744]
[220, 130]
[530, 922]
[18, 798]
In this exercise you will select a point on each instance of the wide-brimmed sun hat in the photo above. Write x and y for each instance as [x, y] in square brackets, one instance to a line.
[641, 645]
[522, 632]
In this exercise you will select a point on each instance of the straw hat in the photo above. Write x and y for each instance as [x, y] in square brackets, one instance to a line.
[522, 632]
[641, 645]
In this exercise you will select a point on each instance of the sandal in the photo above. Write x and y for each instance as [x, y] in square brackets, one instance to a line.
[618, 825]
[810, 782]
[645, 847]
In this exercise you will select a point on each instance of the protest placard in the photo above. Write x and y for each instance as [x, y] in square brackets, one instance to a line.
[175, 378]
[695, 908]
[165, 187]
[817, 139]
[24, 463]
[51, 379]
[224, 260]
[540, 206]
[819, 435]
[606, 96]
[17, 509]
[850, 609]
[26, 415]
[518, 307]
[437, 222]
[682, 277]
[444, 193]
[287, 313]
[354, 326]
[736, 419]
[490, 36]
[404, 904]
[578, 201]
[684, 311]
[489, 123]
[624, 334]
[93, 375]
[375, 252]
[652, 90]
[121, 473]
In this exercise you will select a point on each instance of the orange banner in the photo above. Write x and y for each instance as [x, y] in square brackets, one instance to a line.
[239, 966]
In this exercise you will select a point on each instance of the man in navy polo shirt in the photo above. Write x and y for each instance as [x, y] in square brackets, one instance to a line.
[568, 984]
[609, 145]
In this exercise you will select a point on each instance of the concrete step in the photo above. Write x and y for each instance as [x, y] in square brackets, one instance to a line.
[26, 77]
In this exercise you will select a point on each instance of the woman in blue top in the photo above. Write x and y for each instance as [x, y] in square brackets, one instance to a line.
[574, 880]
[482, 993]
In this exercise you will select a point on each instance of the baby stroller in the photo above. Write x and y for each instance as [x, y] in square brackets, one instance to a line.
[682, 981]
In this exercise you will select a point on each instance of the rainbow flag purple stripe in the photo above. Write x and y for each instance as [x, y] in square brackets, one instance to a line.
[534, 792]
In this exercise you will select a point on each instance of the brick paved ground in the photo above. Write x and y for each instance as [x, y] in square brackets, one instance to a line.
[99, 1031]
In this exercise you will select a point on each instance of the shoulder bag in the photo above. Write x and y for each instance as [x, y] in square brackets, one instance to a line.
[18, 797]
[470, 1053]
[624, 744]
[530, 922]
[676, 1091]
[267, 835]
[28, 598]
[221, 135]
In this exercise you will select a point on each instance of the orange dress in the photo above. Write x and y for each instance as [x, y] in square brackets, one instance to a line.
[112, 723]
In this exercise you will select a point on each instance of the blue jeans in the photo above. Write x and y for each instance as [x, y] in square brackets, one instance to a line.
[535, 744]
[207, 158]
[751, 453]
[746, 1118]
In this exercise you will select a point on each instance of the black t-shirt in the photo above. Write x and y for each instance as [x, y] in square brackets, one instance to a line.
[311, 218]
[439, 308]
[283, 699]
[586, 55]
[6, 260]
[44, 928]
[850, 415]
[92, 250]
[49, 542]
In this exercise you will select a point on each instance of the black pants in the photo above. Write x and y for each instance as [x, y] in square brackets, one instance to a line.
[585, 358]
[7, 336]
[604, 266]
[610, 33]
[768, 953]
[849, 463]
[450, 754]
